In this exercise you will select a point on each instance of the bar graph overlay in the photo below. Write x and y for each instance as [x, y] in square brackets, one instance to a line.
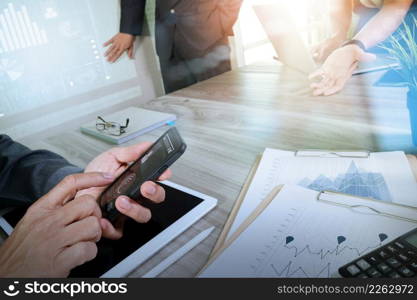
[355, 181]
[18, 31]
[51, 52]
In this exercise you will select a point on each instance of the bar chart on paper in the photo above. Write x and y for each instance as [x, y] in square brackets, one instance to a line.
[18, 31]
[354, 181]
[384, 177]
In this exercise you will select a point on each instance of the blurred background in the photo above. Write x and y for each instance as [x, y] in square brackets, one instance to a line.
[251, 42]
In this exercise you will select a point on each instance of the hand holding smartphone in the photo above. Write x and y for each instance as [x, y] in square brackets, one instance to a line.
[149, 167]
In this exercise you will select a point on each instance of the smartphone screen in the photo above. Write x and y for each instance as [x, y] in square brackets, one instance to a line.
[150, 166]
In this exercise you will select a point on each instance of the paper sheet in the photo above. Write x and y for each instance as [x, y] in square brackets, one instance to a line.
[383, 176]
[297, 236]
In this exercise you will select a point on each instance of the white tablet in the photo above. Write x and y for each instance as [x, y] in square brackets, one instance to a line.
[181, 208]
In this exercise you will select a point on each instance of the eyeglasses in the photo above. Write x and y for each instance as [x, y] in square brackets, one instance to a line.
[112, 128]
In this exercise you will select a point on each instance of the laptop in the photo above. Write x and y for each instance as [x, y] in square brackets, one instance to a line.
[290, 47]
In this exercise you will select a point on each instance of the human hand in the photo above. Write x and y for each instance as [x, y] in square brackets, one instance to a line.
[338, 69]
[57, 233]
[118, 44]
[115, 161]
[322, 51]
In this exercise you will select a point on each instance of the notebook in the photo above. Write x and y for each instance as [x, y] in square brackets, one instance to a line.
[290, 47]
[141, 121]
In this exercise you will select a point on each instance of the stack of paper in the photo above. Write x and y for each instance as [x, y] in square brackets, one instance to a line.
[381, 176]
[289, 233]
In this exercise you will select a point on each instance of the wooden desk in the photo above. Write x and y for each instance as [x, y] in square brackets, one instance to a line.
[244, 111]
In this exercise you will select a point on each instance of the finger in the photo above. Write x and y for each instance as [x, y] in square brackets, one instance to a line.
[70, 185]
[333, 90]
[321, 56]
[109, 231]
[116, 55]
[166, 175]
[111, 41]
[316, 57]
[328, 81]
[341, 82]
[75, 256]
[315, 49]
[80, 208]
[130, 52]
[130, 208]
[110, 50]
[85, 230]
[319, 73]
[325, 82]
[153, 192]
[131, 153]
[317, 53]
[319, 91]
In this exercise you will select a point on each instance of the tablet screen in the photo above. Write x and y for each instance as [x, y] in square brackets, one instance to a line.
[110, 253]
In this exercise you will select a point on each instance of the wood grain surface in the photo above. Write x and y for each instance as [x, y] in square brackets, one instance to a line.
[230, 119]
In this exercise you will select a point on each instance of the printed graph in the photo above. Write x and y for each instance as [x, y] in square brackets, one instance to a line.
[289, 270]
[355, 181]
[18, 31]
[292, 254]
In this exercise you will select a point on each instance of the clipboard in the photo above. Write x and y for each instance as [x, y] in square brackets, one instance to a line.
[273, 194]
[318, 153]
[403, 211]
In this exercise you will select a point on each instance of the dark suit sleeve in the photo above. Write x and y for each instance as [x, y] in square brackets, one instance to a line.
[26, 175]
[229, 10]
[133, 16]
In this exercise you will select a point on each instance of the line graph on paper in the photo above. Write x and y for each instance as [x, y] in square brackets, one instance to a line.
[296, 236]
[288, 255]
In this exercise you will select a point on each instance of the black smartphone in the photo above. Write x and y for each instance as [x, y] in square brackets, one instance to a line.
[149, 167]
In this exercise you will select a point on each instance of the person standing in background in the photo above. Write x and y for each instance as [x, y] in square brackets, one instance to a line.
[191, 37]
[339, 55]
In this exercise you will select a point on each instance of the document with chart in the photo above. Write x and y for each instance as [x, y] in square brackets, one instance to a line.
[298, 236]
[381, 176]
